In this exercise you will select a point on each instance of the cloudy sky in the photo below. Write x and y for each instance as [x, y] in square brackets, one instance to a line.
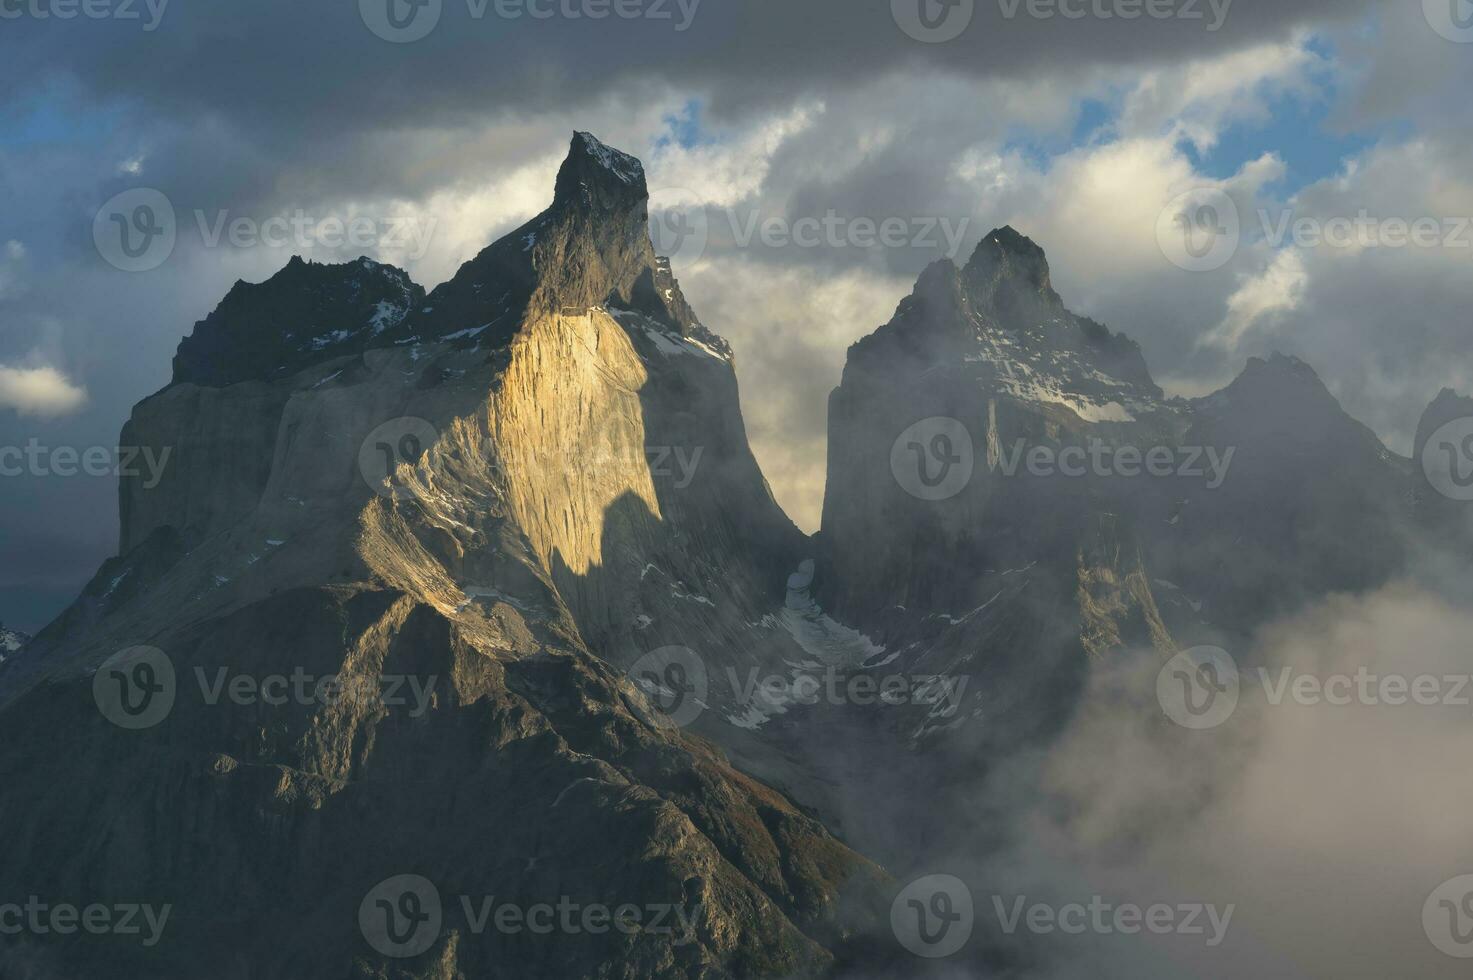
[1216, 179]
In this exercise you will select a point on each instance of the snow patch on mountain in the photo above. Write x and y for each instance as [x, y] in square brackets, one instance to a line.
[1031, 371]
[386, 315]
[825, 639]
[11, 642]
[668, 343]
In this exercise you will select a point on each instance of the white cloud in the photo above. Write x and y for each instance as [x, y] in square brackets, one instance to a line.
[1195, 100]
[1287, 811]
[790, 329]
[1278, 289]
[40, 391]
[727, 173]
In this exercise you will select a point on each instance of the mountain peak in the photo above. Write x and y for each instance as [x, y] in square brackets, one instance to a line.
[590, 247]
[1008, 274]
[1450, 396]
[1009, 239]
[305, 311]
[623, 165]
[1447, 407]
[1282, 366]
[594, 173]
[1279, 386]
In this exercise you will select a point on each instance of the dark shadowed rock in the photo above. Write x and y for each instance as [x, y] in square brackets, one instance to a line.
[304, 314]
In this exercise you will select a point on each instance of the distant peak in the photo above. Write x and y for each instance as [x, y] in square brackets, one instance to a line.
[306, 312]
[1279, 363]
[1009, 239]
[938, 288]
[1265, 381]
[1005, 252]
[297, 265]
[1008, 275]
[1448, 406]
[1450, 396]
[942, 270]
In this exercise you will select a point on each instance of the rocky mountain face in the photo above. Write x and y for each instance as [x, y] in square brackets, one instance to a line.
[479, 596]
[304, 314]
[467, 510]
[1009, 494]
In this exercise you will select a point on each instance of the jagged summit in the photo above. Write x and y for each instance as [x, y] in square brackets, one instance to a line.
[1006, 279]
[308, 311]
[1283, 363]
[590, 248]
[1009, 275]
[1010, 240]
[1281, 385]
[1000, 315]
[1448, 406]
[1451, 396]
[1281, 370]
[593, 164]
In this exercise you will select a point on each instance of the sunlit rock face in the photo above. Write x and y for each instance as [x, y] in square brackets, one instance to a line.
[500, 494]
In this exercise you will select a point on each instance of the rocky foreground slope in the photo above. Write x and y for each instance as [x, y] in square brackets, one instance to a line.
[444, 505]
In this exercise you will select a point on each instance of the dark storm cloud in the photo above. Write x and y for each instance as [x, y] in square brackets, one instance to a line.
[256, 87]
[276, 59]
[251, 107]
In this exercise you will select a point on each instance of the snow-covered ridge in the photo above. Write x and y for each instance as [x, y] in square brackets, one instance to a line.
[667, 342]
[1040, 373]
